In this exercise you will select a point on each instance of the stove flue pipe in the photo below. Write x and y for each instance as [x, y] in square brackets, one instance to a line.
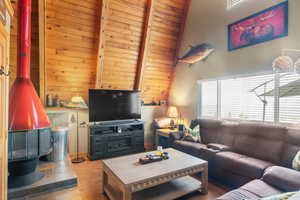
[24, 39]
[26, 111]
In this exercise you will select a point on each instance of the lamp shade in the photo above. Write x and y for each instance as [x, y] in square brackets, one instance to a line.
[172, 112]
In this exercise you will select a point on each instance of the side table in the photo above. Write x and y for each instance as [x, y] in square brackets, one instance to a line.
[162, 137]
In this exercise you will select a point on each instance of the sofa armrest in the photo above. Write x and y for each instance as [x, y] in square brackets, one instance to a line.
[218, 147]
[175, 136]
[282, 178]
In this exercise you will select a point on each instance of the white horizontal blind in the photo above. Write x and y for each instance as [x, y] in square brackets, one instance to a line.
[289, 101]
[239, 102]
[231, 3]
[209, 99]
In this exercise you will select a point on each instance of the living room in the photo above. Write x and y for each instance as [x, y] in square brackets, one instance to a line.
[149, 99]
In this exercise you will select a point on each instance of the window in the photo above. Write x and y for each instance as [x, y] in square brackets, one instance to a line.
[209, 99]
[240, 98]
[253, 98]
[289, 99]
[231, 3]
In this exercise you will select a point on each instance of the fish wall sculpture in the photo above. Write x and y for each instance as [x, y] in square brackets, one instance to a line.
[197, 53]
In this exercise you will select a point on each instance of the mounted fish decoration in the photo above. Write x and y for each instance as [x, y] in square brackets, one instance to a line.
[197, 53]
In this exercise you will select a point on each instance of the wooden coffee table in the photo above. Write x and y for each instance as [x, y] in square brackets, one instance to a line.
[164, 180]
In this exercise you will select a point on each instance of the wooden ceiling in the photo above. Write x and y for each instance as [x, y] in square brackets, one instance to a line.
[108, 44]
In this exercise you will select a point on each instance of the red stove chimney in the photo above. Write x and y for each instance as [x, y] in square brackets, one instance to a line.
[26, 111]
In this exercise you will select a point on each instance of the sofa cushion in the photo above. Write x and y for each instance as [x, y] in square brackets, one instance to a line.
[291, 147]
[227, 133]
[241, 164]
[260, 141]
[287, 180]
[260, 188]
[209, 130]
[192, 148]
[239, 194]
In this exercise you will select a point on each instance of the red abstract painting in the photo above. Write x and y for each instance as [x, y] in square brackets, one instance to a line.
[266, 25]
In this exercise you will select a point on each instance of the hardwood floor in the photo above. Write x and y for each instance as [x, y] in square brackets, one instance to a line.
[89, 186]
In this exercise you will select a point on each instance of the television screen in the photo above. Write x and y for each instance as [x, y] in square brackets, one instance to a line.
[109, 105]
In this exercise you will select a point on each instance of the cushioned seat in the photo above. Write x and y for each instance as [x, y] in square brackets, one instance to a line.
[261, 188]
[239, 194]
[192, 148]
[253, 190]
[242, 165]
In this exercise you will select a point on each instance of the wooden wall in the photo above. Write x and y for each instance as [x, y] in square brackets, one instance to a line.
[123, 34]
[34, 47]
[167, 23]
[100, 43]
[71, 47]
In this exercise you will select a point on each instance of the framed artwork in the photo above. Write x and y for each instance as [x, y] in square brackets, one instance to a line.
[266, 25]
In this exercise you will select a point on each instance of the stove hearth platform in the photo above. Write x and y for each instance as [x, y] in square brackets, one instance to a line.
[57, 176]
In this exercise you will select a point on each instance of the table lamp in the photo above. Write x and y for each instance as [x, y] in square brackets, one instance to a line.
[172, 113]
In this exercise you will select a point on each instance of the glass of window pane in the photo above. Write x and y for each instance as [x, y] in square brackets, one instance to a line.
[209, 99]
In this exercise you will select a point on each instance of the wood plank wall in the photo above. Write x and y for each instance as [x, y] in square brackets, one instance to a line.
[34, 47]
[167, 22]
[72, 33]
[71, 47]
[122, 34]
[124, 29]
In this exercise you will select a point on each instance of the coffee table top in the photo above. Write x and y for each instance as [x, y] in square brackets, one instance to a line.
[129, 170]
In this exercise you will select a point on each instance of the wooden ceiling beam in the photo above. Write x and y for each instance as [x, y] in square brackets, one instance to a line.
[142, 61]
[101, 46]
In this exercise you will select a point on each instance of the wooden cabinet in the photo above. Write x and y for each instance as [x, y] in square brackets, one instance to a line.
[5, 12]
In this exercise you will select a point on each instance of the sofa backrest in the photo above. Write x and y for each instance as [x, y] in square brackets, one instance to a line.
[260, 141]
[291, 147]
[209, 130]
[227, 133]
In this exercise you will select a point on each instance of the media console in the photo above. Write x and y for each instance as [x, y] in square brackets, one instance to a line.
[115, 139]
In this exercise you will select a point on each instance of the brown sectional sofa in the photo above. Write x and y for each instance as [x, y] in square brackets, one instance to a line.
[256, 156]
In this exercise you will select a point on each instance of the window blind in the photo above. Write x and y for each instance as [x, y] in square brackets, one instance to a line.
[209, 99]
[289, 99]
[239, 98]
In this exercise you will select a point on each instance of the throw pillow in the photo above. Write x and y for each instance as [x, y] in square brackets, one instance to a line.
[296, 162]
[192, 135]
[285, 196]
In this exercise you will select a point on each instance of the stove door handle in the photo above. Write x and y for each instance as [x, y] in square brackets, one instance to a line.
[2, 71]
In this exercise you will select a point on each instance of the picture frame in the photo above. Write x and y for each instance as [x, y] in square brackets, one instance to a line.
[266, 25]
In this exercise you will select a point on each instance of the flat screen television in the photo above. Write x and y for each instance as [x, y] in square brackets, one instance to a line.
[111, 105]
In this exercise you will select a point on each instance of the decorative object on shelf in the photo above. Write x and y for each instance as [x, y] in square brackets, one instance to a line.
[77, 102]
[163, 102]
[283, 64]
[77, 159]
[197, 53]
[56, 101]
[266, 25]
[287, 62]
[150, 158]
[49, 100]
[172, 113]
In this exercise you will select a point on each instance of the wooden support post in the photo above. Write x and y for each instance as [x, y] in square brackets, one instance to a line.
[142, 60]
[42, 49]
[101, 47]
